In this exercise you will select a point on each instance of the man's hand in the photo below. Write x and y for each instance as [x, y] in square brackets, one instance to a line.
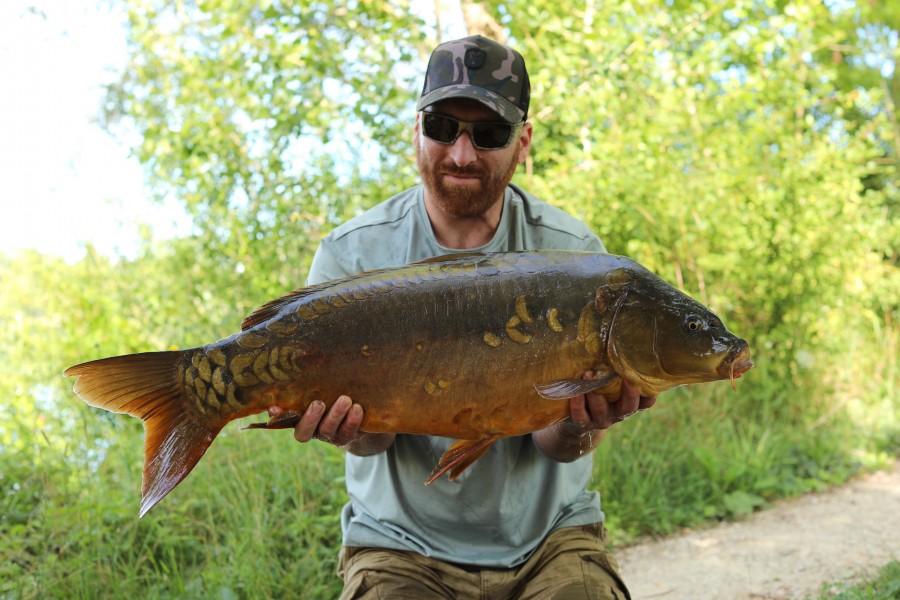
[593, 411]
[590, 416]
[339, 426]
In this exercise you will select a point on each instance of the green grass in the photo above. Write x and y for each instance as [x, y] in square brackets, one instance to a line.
[258, 516]
[884, 586]
[708, 453]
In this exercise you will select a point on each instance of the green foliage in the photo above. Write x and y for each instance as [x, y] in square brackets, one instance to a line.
[747, 154]
[885, 586]
[271, 122]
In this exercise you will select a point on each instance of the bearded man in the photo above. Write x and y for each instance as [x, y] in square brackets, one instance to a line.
[521, 523]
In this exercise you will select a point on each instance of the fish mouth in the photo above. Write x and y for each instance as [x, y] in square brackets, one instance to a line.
[736, 363]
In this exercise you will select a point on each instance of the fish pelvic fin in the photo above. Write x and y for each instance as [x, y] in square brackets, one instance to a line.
[459, 457]
[146, 386]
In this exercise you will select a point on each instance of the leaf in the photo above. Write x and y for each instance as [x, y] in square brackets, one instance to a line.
[740, 503]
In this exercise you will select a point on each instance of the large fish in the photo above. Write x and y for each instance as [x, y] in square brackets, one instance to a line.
[474, 347]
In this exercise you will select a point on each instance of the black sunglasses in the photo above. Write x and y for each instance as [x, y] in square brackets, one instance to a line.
[485, 135]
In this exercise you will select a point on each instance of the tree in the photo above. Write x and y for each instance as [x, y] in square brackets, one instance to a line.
[270, 122]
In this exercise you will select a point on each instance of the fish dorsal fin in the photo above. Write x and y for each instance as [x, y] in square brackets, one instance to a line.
[270, 309]
[448, 257]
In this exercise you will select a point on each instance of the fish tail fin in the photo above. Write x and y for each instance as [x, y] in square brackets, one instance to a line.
[176, 434]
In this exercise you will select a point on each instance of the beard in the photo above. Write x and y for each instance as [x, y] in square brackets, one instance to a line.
[464, 201]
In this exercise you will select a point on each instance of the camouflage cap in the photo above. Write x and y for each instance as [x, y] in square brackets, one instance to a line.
[481, 69]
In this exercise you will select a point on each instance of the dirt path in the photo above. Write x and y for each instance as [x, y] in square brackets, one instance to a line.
[786, 552]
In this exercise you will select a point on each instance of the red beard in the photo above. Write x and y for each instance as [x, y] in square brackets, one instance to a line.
[464, 201]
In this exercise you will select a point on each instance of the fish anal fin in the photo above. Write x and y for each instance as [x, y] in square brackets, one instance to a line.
[459, 457]
[286, 420]
[563, 389]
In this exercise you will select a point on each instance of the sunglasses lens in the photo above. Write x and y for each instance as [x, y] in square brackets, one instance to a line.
[487, 136]
[440, 128]
[491, 136]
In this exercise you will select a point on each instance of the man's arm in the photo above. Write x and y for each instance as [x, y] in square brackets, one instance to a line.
[590, 416]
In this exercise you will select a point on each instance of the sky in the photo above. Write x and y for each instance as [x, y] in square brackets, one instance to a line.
[65, 180]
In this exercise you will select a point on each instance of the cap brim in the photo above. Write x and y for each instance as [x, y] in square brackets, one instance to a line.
[500, 105]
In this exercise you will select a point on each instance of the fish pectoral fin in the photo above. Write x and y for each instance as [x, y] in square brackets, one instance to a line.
[460, 456]
[563, 389]
[286, 420]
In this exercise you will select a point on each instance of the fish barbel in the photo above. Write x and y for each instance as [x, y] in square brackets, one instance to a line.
[476, 347]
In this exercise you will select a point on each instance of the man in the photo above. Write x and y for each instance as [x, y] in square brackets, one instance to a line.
[519, 523]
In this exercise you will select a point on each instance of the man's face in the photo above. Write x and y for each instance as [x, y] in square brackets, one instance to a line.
[462, 180]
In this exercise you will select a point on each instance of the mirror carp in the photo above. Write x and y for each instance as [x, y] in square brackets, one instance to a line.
[475, 347]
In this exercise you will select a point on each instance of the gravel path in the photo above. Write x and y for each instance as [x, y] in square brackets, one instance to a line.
[786, 552]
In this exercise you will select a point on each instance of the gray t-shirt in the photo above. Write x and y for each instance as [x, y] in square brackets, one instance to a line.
[497, 512]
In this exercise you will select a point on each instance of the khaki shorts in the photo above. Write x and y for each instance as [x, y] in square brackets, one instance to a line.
[572, 563]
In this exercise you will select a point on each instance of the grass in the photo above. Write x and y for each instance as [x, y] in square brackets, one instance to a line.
[884, 586]
[707, 453]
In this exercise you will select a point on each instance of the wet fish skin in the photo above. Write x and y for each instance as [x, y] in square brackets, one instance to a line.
[475, 347]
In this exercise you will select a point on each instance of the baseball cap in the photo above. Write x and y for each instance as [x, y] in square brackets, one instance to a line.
[480, 69]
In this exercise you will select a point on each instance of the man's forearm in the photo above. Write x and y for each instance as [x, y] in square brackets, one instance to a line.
[566, 441]
[368, 444]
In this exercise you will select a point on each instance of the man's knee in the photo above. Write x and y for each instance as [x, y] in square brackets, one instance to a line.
[573, 564]
[377, 573]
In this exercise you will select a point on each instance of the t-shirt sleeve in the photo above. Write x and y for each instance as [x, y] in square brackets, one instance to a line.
[325, 266]
[593, 244]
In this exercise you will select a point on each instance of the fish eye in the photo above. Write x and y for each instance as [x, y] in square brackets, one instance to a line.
[694, 323]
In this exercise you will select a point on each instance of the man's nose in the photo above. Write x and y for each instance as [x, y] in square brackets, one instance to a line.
[463, 152]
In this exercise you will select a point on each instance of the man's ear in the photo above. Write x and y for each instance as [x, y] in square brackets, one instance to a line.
[416, 131]
[524, 142]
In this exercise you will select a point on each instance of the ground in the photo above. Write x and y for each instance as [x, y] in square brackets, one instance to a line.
[786, 552]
